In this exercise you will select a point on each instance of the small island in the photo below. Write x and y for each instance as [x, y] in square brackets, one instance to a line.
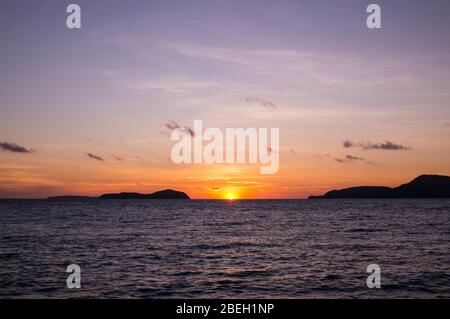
[164, 194]
[424, 186]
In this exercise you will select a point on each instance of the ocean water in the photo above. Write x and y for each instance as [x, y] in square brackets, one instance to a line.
[221, 249]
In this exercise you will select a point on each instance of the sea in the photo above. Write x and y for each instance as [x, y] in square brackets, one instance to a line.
[225, 249]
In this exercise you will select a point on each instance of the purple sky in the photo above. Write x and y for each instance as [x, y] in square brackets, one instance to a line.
[109, 88]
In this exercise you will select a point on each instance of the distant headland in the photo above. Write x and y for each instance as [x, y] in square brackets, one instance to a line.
[424, 186]
[164, 194]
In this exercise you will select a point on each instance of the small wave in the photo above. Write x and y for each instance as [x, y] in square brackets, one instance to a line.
[364, 230]
[223, 246]
[249, 273]
[8, 255]
[332, 277]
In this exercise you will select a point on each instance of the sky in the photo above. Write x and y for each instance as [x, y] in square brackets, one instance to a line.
[89, 111]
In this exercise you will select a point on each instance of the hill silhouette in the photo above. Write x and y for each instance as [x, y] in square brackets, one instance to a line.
[424, 186]
[164, 194]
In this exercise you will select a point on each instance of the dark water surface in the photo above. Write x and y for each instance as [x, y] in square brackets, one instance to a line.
[214, 249]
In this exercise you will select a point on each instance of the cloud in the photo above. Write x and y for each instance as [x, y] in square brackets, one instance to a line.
[14, 148]
[118, 158]
[15, 166]
[268, 104]
[353, 158]
[172, 125]
[173, 86]
[348, 159]
[270, 150]
[321, 155]
[387, 146]
[329, 68]
[95, 157]
[348, 144]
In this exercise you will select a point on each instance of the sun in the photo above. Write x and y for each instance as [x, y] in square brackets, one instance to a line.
[230, 196]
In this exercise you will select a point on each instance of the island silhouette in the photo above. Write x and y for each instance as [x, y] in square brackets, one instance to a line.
[423, 186]
[164, 194]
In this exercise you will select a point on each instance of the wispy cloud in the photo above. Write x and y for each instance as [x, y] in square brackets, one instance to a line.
[268, 104]
[173, 85]
[172, 125]
[15, 166]
[353, 158]
[14, 148]
[322, 155]
[95, 157]
[387, 145]
[331, 68]
[348, 159]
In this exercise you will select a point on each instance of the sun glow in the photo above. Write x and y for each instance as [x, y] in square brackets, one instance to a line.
[231, 196]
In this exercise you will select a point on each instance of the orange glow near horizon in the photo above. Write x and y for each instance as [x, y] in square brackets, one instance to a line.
[301, 174]
[35, 180]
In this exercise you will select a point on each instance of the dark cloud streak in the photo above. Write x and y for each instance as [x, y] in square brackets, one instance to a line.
[268, 104]
[172, 125]
[14, 148]
[348, 159]
[386, 146]
[95, 157]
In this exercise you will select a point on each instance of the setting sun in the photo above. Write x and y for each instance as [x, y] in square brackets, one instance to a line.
[230, 196]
